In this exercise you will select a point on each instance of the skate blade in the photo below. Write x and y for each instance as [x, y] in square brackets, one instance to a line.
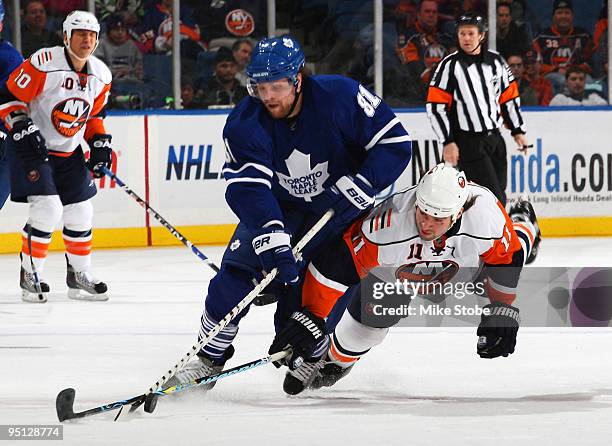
[33, 298]
[76, 294]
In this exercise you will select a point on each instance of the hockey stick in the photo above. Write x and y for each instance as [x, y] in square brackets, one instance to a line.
[41, 297]
[159, 218]
[65, 398]
[64, 402]
[151, 399]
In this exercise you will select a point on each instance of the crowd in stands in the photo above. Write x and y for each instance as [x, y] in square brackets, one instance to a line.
[555, 59]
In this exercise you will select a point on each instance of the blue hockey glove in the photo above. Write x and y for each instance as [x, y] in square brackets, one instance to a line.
[349, 197]
[30, 145]
[305, 334]
[497, 331]
[273, 246]
[100, 154]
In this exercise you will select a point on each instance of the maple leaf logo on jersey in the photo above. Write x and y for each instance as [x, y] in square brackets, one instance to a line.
[70, 116]
[303, 181]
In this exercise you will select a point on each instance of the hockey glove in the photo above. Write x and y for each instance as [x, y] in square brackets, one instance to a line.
[30, 145]
[273, 246]
[349, 197]
[100, 154]
[305, 333]
[497, 331]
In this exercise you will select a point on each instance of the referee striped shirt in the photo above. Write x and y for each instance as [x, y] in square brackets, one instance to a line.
[474, 94]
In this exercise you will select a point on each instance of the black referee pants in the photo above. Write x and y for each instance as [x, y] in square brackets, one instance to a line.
[483, 159]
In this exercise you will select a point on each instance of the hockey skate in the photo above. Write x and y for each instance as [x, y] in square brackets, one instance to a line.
[329, 375]
[82, 286]
[522, 211]
[28, 288]
[198, 368]
[296, 381]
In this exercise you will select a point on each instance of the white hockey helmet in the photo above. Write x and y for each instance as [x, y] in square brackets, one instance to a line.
[442, 192]
[80, 20]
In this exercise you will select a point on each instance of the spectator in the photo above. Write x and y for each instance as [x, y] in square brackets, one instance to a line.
[119, 52]
[242, 49]
[563, 45]
[600, 39]
[423, 45]
[188, 98]
[131, 11]
[405, 14]
[223, 88]
[33, 33]
[575, 93]
[539, 83]
[528, 95]
[511, 38]
[157, 30]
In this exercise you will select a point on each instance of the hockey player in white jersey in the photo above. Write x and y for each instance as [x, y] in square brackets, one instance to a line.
[444, 219]
[53, 106]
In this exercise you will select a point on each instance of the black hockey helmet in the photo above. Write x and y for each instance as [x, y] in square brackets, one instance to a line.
[471, 18]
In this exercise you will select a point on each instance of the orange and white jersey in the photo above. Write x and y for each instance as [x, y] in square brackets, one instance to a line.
[63, 103]
[388, 237]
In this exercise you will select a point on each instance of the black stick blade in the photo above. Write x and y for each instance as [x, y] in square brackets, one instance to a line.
[150, 403]
[64, 404]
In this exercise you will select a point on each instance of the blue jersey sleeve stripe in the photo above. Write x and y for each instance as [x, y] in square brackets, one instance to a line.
[394, 139]
[249, 180]
[381, 133]
[259, 167]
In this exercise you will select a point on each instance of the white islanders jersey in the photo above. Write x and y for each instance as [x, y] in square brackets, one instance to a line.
[61, 102]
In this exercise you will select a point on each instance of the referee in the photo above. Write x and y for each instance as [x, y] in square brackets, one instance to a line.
[471, 94]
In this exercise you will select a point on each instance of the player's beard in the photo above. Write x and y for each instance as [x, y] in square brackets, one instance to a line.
[281, 108]
[278, 110]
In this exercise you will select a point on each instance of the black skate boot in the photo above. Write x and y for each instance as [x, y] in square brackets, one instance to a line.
[200, 367]
[28, 288]
[522, 211]
[329, 375]
[296, 381]
[82, 286]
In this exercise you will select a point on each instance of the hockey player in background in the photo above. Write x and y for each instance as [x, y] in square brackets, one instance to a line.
[444, 219]
[9, 60]
[299, 145]
[53, 105]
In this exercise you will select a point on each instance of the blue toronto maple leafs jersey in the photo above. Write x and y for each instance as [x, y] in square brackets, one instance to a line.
[342, 129]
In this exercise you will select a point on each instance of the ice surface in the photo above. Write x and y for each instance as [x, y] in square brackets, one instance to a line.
[420, 387]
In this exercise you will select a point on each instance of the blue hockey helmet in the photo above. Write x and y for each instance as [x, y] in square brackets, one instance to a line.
[1, 10]
[275, 58]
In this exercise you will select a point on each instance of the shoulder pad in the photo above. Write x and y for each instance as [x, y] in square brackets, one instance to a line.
[99, 69]
[485, 218]
[49, 59]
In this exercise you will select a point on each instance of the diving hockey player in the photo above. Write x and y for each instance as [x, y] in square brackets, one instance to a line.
[444, 219]
[299, 145]
[53, 105]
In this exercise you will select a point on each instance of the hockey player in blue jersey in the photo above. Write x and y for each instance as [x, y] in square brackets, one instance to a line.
[299, 145]
[9, 60]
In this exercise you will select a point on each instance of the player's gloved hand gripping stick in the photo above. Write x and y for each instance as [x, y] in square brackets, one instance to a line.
[65, 398]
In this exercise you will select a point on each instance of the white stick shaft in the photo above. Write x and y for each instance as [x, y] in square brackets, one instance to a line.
[238, 308]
